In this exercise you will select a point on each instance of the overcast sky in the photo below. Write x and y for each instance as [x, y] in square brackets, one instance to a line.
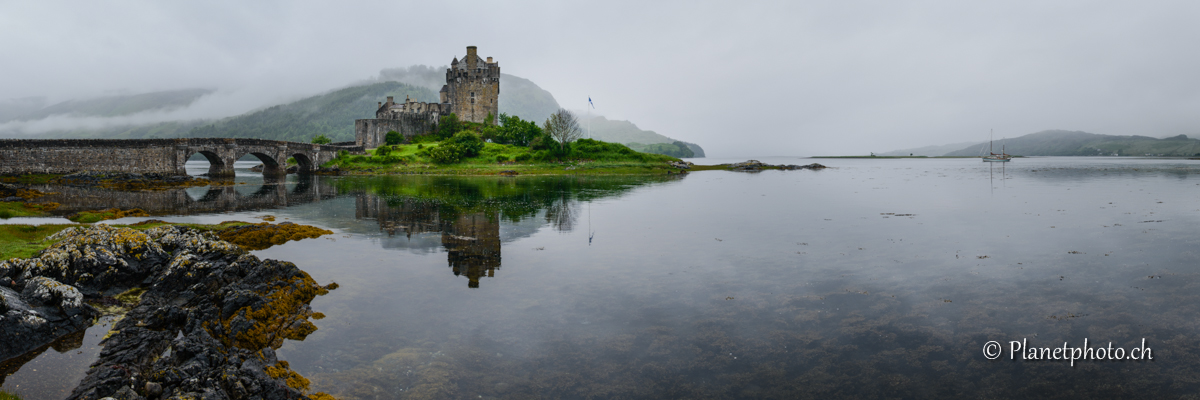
[752, 79]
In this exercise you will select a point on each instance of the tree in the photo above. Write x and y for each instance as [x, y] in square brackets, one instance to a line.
[563, 127]
[515, 131]
[322, 139]
[448, 125]
[393, 138]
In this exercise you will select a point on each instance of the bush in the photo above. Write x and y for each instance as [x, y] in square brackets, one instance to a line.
[383, 151]
[543, 142]
[321, 139]
[393, 138]
[446, 154]
[522, 157]
[342, 154]
[513, 130]
[420, 146]
[447, 126]
[501, 158]
[469, 143]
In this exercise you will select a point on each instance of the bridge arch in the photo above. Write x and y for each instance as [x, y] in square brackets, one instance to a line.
[216, 165]
[304, 162]
[271, 165]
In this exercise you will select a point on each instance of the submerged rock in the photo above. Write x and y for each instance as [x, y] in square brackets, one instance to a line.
[755, 165]
[206, 326]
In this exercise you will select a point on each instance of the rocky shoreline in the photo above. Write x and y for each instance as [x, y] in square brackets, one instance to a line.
[204, 318]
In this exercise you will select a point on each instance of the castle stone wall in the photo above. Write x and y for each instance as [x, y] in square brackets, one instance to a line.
[370, 133]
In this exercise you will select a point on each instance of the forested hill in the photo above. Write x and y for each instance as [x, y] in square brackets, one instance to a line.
[331, 114]
[1076, 143]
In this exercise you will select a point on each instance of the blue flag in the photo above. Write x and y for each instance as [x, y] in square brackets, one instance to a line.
[590, 102]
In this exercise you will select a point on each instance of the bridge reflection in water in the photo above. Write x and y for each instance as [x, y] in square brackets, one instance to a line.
[274, 192]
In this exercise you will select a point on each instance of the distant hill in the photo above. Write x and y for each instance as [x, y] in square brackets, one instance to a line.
[108, 106]
[13, 109]
[629, 134]
[1077, 143]
[929, 151]
[331, 114]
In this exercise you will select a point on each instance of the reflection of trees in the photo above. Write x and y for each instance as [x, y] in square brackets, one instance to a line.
[561, 214]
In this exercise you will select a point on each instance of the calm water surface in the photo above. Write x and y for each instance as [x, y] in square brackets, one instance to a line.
[871, 279]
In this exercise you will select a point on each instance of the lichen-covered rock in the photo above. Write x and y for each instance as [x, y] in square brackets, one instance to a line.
[264, 235]
[206, 326]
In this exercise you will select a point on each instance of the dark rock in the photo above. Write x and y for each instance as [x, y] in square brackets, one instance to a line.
[755, 165]
[209, 319]
[257, 168]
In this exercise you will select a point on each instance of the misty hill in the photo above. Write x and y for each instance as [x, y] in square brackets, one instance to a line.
[14, 108]
[1076, 143]
[109, 106]
[626, 132]
[518, 96]
[929, 151]
[331, 114]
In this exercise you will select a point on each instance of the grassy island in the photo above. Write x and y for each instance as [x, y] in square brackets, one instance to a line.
[514, 146]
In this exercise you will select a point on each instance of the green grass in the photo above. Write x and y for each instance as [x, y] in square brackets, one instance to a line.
[10, 209]
[8, 396]
[587, 156]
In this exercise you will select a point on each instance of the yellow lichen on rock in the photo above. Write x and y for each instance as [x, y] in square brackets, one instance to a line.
[263, 235]
[293, 379]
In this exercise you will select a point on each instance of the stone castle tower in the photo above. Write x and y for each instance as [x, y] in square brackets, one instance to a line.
[471, 92]
[473, 87]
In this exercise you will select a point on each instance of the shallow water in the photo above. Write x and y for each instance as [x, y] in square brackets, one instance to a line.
[870, 279]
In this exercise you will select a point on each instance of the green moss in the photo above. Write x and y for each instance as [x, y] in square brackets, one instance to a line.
[87, 217]
[30, 179]
[8, 396]
[10, 209]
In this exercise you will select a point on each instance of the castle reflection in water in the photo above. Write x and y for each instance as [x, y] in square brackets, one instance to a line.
[471, 240]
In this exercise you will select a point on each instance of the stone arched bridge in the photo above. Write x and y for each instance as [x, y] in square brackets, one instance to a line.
[167, 156]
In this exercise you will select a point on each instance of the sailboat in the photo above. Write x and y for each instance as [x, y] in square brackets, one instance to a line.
[992, 156]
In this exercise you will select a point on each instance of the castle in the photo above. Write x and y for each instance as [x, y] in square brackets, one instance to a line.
[471, 92]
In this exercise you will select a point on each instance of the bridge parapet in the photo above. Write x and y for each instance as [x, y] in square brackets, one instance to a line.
[165, 156]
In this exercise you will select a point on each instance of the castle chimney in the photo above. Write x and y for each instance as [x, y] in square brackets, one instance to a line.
[380, 105]
[390, 102]
[471, 57]
[489, 60]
